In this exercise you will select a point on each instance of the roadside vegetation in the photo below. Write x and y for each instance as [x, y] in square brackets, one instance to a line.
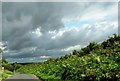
[95, 62]
[8, 69]
[6, 74]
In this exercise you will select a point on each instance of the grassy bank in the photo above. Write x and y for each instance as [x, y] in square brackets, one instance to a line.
[6, 74]
[94, 62]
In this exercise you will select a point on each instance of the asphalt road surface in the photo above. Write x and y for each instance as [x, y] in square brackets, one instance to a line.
[23, 77]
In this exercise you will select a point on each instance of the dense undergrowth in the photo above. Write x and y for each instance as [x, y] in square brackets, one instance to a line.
[95, 62]
[6, 74]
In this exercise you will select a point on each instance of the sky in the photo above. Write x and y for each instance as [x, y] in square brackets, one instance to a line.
[37, 31]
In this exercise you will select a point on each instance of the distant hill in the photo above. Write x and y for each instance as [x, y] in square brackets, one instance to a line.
[95, 62]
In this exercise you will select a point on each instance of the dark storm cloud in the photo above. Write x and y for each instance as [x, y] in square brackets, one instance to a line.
[119, 17]
[0, 21]
[21, 18]
[21, 21]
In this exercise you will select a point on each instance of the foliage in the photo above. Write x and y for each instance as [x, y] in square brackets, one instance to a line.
[16, 65]
[6, 74]
[95, 62]
[6, 65]
[10, 67]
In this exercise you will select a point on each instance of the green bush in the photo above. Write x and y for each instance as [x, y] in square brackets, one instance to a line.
[8, 67]
[5, 74]
[95, 62]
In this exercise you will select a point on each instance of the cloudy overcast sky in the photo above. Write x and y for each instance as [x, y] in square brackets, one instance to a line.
[36, 31]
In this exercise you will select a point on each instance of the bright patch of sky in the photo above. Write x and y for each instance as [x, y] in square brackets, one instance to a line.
[78, 23]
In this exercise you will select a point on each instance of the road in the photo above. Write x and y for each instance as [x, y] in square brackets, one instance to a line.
[23, 77]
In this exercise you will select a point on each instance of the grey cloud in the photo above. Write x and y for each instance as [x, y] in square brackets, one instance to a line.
[61, 1]
[0, 21]
[46, 15]
[19, 19]
[22, 56]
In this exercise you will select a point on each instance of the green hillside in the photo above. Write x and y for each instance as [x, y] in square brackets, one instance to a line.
[94, 62]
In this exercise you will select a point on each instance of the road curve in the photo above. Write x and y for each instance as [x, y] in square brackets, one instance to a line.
[23, 77]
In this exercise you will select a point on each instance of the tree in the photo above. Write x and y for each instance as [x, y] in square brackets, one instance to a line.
[74, 52]
[92, 46]
[4, 61]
